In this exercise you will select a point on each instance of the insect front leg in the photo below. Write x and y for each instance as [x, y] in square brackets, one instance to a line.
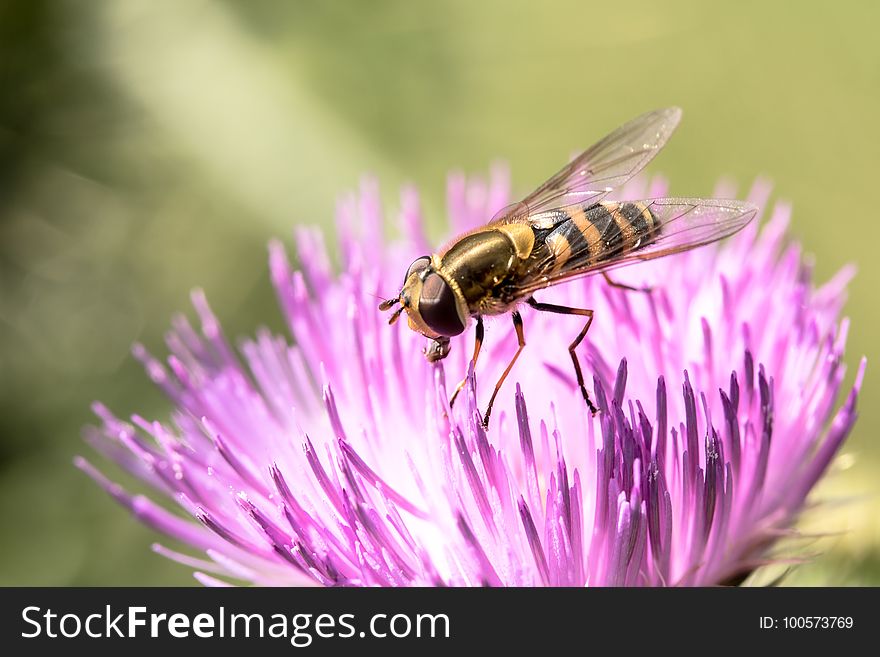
[518, 326]
[478, 343]
[583, 312]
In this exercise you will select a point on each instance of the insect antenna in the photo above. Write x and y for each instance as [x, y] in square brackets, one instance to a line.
[387, 304]
[394, 316]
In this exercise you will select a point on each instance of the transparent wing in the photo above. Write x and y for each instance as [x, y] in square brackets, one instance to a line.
[607, 164]
[681, 224]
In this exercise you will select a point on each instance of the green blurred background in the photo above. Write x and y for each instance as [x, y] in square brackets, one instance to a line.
[150, 147]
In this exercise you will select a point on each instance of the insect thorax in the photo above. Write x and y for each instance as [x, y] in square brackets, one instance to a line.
[478, 263]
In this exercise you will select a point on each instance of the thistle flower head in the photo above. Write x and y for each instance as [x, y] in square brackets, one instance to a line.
[334, 458]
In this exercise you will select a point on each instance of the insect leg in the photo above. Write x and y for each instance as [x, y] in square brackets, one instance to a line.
[622, 286]
[478, 342]
[518, 325]
[583, 312]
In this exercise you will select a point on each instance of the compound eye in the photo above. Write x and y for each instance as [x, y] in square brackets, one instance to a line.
[418, 265]
[438, 308]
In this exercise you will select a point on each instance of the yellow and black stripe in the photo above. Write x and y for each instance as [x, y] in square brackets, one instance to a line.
[587, 235]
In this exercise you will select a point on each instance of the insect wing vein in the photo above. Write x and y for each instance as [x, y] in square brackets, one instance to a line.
[607, 164]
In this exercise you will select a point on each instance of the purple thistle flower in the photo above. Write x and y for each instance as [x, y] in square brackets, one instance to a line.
[336, 459]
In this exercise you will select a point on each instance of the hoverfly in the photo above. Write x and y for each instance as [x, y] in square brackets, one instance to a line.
[562, 230]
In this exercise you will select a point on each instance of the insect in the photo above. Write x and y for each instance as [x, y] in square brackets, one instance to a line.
[561, 231]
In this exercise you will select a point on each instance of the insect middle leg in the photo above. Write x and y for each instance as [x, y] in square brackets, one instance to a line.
[583, 312]
[518, 325]
[478, 342]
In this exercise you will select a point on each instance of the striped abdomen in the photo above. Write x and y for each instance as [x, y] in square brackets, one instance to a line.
[584, 236]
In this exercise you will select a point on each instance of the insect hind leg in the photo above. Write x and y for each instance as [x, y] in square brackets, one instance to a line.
[583, 312]
[624, 286]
